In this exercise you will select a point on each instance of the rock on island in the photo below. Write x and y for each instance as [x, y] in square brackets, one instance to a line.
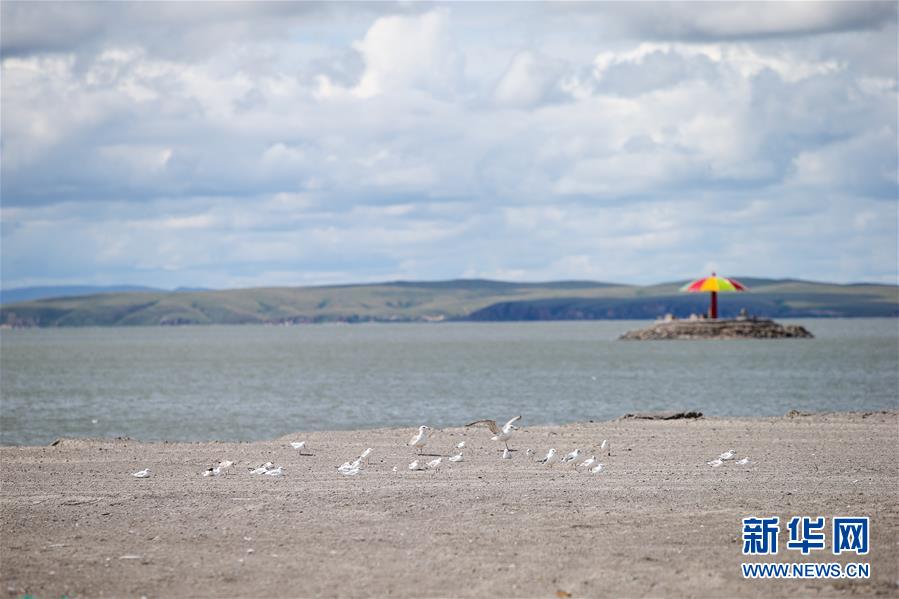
[746, 328]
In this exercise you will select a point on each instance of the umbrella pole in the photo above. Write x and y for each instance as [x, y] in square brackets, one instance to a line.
[713, 311]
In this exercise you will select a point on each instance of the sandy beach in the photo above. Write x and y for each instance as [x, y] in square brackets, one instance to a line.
[657, 521]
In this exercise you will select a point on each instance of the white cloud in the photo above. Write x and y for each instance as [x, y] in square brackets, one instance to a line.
[402, 52]
[517, 140]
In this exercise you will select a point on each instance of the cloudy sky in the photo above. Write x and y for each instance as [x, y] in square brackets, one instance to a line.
[236, 145]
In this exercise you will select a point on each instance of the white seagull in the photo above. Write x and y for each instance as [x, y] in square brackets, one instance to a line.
[414, 465]
[727, 455]
[571, 456]
[355, 464]
[347, 466]
[421, 438]
[279, 471]
[548, 457]
[606, 447]
[456, 458]
[507, 455]
[145, 473]
[715, 463]
[261, 469]
[300, 445]
[499, 434]
[587, 463]
[596, 469]
[460, 444]
[220, 469]
[434, 464]
[743, 462]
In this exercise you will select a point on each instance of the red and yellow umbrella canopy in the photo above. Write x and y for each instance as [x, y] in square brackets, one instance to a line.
[713, 284]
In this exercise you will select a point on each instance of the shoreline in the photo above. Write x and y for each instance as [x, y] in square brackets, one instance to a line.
[653, 415]
[656, 521]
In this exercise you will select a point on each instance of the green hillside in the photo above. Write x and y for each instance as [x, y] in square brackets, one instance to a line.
[404, 301]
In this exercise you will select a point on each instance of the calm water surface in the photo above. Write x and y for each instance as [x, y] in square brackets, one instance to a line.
[254, 382]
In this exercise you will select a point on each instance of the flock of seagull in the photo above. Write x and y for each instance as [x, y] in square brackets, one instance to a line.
[727, 456]
[420, 440]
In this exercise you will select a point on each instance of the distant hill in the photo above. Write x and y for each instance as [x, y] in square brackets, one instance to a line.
[467, 299]
[24, 294]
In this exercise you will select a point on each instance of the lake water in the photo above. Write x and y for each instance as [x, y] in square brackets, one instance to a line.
[255, 382]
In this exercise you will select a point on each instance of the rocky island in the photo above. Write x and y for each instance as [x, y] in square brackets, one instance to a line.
[739, 328]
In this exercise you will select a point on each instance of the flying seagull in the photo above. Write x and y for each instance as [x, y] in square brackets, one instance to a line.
[500, 434]
[421, 438]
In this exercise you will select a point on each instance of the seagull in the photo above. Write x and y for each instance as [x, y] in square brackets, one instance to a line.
[587, 463]
[456, 458]
[145, 473]
[347, 466]
[597, 468]
[351, 471]
[507, 455]
[571, 456]
[606, 447]
[212, 471]
[279, 471]
[434, 464]
[743, 462]
[224, 465]
[298, 445]
[460, 444]
[420, 439]
[727, 455]
[715, 463]
[500, 434]
[414, 465]
[548, 457]
[356, 464]
[261, 469]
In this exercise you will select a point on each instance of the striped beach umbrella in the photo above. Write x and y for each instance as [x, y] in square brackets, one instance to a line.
[713, 284]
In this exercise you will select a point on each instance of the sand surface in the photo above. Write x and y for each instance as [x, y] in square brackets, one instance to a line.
[657, 521]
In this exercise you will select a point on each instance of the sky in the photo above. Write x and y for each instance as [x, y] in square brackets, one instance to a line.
[223, 145]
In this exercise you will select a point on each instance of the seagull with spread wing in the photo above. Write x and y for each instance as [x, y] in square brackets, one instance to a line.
[499, 434]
